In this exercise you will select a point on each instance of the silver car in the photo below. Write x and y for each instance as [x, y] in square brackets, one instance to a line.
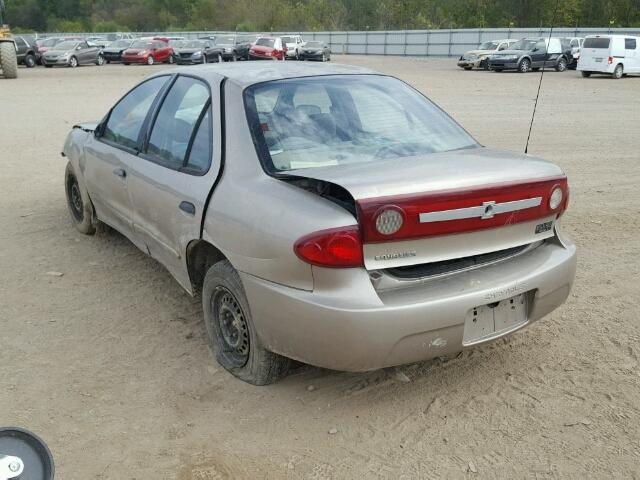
[72, 53]
[327, 214]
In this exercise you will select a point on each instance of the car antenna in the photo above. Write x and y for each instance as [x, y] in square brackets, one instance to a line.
[535, 106]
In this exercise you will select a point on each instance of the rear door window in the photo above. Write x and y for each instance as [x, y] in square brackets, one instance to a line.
[177, 120]
[597, 42]
[630, 43]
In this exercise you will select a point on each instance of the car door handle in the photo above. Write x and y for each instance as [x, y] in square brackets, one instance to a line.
[188, 207]
[119, 172]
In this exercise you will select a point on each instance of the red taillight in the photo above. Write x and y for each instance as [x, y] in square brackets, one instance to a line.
[334, 248]
[610, 60]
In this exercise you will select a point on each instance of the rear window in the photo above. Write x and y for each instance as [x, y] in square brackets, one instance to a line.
[598, 42]
[345, 119]
[630, 43]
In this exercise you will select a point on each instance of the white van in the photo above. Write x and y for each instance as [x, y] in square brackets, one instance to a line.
[613, 54]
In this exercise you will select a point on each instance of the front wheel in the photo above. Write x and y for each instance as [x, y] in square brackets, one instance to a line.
[100, 60]
[150, 60]
[618, 72]
[30, 61]
[586, 74]
[561, 66]
[73, 62]
[78, 203]
[231, 331]
[524, 66]
[170, 60]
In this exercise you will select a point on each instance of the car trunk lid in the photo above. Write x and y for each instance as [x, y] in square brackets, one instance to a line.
[452, 204]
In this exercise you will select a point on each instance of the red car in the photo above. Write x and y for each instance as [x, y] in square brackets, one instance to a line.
[268, 48]
[148, 51]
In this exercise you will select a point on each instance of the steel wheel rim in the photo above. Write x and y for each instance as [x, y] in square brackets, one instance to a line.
[524, 66]
[232, 325]
[75, 200]
[73, 62]
[150, 60]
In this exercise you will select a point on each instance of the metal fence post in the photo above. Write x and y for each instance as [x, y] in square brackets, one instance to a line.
[404, 50]
[428, 37]
[450, 38]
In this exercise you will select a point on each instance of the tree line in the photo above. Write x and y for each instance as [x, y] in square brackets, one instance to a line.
[310, 15]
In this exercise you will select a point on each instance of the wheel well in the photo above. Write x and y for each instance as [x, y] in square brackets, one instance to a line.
[201, 255]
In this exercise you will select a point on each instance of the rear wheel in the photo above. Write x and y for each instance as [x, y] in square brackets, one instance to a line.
[586, 74]
[30, 61]
[231, 331]
[79, 204]
[8, 60]
[170, 59]
[561, 66]
[618, 72]
[524, 66]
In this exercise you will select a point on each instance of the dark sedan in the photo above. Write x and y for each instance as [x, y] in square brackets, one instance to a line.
[229, 48]
[533, 54]
[113, 52]
[191, 52]
[315, 50]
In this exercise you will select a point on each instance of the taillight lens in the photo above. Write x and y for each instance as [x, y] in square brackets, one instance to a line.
[333, 248]
[389, 220]
[555, 199]
[610, 60]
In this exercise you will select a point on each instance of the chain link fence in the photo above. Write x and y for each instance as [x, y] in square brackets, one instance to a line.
[453, 42]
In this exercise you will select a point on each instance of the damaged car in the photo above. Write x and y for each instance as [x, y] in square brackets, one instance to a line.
[324, 213]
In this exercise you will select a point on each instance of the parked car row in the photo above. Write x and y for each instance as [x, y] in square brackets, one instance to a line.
[124, 48]
[616, 55]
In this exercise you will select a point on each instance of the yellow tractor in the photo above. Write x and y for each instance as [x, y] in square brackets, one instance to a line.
[8, 52]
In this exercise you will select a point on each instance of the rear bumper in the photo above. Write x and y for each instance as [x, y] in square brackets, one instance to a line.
[344, 324]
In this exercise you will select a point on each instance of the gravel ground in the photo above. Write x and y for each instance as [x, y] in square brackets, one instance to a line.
[109, 362]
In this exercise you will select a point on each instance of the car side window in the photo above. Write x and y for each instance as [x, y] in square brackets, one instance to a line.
[176, 121]
[541, 46]
[126, 118]
[630, 43]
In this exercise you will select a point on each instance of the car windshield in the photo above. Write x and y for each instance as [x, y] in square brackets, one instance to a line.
[345, 119]
[142, 44]
[523, 44]
[70, 45]
[266, 42]
[191, 44]
[224, 41]
[313, 44]
[488, 46]
[50, 42]
[121, 43]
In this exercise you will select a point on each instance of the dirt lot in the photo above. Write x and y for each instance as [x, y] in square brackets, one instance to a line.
[109, 362]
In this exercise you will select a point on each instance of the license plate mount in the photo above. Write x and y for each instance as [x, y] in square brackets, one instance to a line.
[495, 319]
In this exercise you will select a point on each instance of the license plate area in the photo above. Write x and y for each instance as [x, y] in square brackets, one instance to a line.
[598, 60]
[495, 319]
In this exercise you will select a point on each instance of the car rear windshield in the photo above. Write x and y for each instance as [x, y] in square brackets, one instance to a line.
[266, 42]
[344, 119]
[599, 42]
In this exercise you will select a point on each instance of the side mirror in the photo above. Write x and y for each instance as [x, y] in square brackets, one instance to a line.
[79, 47]
[535, 49]
[501, 48]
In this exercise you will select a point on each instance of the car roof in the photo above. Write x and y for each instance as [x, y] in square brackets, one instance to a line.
[250, 73]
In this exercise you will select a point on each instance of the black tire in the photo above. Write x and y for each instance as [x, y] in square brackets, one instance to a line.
[524, 66]
[100, 60]
[150, 60]
[48, 66]
[618, 72]
[79, 204]
[126, 63]
[30, 61]
[498, 69]
[73, 62]
[108, 61]
[232, 335]
[586, 74]
[8, 60]
[468, 68]
[561, 65]
[484, 64]
[537, 69]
